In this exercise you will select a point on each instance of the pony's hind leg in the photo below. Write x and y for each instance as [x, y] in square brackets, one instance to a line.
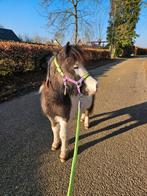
[82, 117]
[56, 138]
[85, 116]
[86, 119]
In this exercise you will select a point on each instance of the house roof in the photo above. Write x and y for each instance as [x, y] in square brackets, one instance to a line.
[8, 35]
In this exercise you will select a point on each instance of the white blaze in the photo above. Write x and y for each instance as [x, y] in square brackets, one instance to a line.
[91, 83]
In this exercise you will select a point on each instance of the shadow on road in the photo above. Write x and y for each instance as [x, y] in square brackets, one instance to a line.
[138, 117]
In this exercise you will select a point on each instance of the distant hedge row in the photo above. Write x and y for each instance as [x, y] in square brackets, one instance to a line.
[96, 53]
[21, 57]
[140, 51]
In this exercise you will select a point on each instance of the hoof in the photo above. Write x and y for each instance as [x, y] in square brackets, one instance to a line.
[54, 148]
[86, 127]
[64, 158]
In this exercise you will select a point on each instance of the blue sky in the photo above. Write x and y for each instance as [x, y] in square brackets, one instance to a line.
[26, 17]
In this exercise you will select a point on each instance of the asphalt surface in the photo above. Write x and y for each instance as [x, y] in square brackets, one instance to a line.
[112, 158]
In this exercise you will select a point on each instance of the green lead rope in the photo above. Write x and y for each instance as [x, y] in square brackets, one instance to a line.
[73, 167]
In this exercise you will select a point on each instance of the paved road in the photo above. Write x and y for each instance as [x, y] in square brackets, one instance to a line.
[112, 157]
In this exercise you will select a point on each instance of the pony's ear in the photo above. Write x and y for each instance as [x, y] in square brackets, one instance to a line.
[67, 49]
[59, 45]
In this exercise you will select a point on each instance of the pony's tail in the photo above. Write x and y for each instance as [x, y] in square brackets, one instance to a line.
[44, 85]
[41, 88]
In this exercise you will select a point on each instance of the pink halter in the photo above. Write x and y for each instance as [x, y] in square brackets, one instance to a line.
[77, 83]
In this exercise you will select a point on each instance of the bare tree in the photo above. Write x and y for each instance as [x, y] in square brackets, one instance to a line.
[61, 15]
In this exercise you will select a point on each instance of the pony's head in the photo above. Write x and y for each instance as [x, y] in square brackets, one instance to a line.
[69, 62]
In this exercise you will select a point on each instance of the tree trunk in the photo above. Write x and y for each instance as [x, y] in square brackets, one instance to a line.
[112, 51]
[76, 24]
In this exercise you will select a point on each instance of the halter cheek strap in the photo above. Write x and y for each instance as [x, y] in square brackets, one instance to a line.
[58, 67]
[66, 79]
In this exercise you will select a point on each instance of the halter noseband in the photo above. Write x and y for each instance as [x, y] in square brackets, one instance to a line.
[67, 79]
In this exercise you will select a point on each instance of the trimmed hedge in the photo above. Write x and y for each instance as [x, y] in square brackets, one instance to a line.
[21, 57]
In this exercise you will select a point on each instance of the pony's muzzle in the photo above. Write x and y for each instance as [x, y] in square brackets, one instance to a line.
[91, 85]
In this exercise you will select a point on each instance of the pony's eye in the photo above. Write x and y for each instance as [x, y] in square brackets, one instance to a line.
[76, 67]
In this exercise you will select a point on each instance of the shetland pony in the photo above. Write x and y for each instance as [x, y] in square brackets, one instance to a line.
[60, 106]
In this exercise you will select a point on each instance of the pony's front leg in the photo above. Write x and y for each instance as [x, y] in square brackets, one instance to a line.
[64, 140]
[56, 138]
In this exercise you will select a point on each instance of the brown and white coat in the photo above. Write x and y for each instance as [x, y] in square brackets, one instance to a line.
[60, 108]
